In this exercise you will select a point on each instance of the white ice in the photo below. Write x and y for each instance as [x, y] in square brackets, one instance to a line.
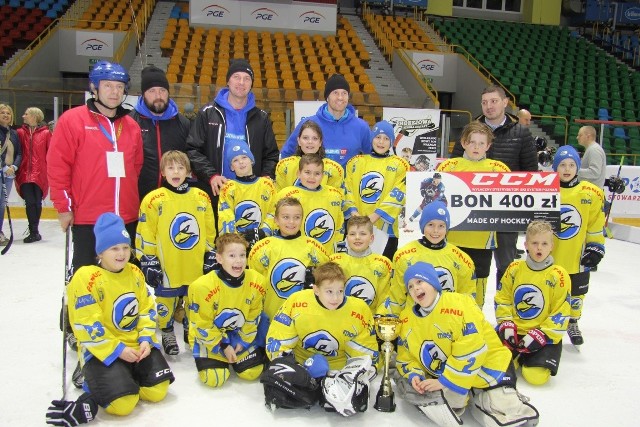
[594, 387]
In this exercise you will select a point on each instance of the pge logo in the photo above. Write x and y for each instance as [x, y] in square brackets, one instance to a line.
[263, 14]
[125, 312]
[427, 66]
[322, 342]
[184, 231]
[570, 222]
[287, 277]
[528, 301]
[248, 216]
[94, 45]
[360, 287]
[311, 17]
[215, 10]
[371, 186]
[229, 319]
[319, 225]
[432, 357]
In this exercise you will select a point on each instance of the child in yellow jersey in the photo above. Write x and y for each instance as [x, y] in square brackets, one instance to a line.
[174, 241]
[455, 268]
[447, 348]
[114, 319]
[309, 142]
[532, 306]
[224, 312]
[579, 244]
[368, 274]
[476, 140]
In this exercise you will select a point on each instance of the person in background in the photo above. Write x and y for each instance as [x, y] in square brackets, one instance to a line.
[10, 159]
[593, 167]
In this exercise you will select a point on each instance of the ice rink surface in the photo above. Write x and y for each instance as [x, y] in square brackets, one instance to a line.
[594, 387]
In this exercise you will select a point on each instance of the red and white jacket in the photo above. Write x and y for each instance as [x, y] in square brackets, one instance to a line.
[33, 168]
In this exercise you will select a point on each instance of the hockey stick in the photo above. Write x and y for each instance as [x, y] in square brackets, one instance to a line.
[607, 230]
[65, 319]
[6, 204]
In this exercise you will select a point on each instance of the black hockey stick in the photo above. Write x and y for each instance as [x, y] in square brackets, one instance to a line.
[65, 317]
[6, 204]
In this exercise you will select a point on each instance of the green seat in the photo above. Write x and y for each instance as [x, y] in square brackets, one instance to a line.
[620, 145]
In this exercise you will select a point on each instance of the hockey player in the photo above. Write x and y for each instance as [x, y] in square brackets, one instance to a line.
[287, 258]
[579, 244]
[455, 268]
[245, 200]
[224, 311]
[309, 142]
[532, 306]
[479, 245]
[174, 241]
[323, 205]
[113, 317]
[431, 189]
[368, 274]
[448, 354]
[376, 185]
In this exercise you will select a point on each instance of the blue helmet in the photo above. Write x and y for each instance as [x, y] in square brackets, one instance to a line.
[105, 70]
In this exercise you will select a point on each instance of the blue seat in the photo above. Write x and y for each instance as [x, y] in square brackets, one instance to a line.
[603, 114]
[43, 6]
[29, 5]
[14, 3]
[51, 14]
[619, 133]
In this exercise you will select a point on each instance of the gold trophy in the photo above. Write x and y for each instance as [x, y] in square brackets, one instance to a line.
[387, 330]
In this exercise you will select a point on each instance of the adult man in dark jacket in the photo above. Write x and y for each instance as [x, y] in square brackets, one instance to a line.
[514, 146]
[163, 127]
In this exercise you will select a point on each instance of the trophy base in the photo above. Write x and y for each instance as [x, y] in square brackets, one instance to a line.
[385, 403]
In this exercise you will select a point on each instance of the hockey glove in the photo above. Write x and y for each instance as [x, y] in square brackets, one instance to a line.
[150, 265]
[309, 280]
[592, 255]
[210, 262]
[532, 342]
[317, 366]
[72, 413]
[508, 333]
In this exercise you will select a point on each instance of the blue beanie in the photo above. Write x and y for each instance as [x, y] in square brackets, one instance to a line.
[566, 152]
[434, 210]
[383, 128]
[110, 231]
[235, 149]
[425, 272]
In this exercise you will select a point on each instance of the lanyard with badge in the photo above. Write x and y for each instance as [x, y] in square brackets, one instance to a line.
[115, 159]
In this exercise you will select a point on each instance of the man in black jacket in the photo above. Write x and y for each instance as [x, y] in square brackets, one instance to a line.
[514, 146]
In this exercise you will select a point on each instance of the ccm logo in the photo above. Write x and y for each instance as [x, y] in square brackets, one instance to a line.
[488, 179]
[163, 372]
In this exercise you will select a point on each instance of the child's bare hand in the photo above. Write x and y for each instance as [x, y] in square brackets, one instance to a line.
[145, 350]
[129, 355]
[230, 354]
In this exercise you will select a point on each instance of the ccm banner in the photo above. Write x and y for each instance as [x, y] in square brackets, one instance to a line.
[487, 201]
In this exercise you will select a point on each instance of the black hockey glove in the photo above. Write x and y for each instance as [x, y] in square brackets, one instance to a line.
[532, 342]
[69, 413]
[210, 262]
[508, 333]
[150, 266]
[309, 280]
[592, 255]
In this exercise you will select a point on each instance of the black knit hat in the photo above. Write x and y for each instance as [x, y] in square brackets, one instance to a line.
[239, 65]
[153, 76]
[336, 81]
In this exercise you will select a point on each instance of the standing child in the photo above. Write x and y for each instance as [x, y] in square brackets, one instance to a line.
[532, 306]
[455, 268]
[309, 142]
[376, 185]
[479, 245]
[579, 244]
[224, 311]
[368, 274]
[174, 240]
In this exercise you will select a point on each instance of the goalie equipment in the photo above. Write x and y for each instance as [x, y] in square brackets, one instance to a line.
[287, 384]
[347, 391]
[317, 366]
[503, 406]
[72, 413]
[435, 406]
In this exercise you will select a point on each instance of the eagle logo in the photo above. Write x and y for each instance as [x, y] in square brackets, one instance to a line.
[360, 287]
[570, 222]
[432, 357]
[125, 312]
[321, 342]
[184, 231]
[319, 225]
[248, 216]
[287, 277]
[528, 301]
[371, 186]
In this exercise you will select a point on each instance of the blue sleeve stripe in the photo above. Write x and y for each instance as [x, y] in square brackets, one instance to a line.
[113, 356]
[445, 382]
[490, 376]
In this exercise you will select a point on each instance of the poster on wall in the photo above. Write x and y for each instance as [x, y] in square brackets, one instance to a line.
[416, 132]
[627, 203]
[304, 109]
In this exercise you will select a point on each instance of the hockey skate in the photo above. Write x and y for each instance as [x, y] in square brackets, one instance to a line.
[574, 333]
[169, 343]
[72, 341]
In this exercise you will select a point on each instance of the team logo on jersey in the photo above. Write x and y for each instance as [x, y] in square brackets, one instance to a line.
[125, 312]
[371, 186]
[184, 231]
[287, 277]
[432, 357]
[322, 342]
[528, 301]
[576, 303]
[229, 319]
[570, 222]
[319, 225]
[248, 216]
[360, 287]
[446, 279]
[163, 310]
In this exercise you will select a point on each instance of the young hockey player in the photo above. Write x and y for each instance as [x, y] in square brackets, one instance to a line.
[431, 189]
[376, 185]
[174, 241]
[476, 140]
[323, 204]
[448, 354]
[245, 200]
[579, 244]
[287, 258]
[224, 311]
[455, 268]
[368, 274]
[112, 315]
[309, 142]
[532, 306]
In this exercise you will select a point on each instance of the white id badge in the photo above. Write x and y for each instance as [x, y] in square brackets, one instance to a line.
[115, 164]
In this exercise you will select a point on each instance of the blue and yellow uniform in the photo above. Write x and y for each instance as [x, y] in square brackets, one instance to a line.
[244, 204]
[287, 173]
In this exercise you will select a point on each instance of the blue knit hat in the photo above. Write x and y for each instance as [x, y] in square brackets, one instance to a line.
[434, 210]
[110, 231]
[236, 149]
[425, 272]
[383, 128]
[566, 152]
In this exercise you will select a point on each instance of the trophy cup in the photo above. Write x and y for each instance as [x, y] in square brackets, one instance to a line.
[387, 330]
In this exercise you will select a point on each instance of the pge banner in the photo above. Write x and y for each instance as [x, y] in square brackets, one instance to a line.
[429, 64]
[94, 43]
[628, 202]
[416, 132]
[486, 201]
